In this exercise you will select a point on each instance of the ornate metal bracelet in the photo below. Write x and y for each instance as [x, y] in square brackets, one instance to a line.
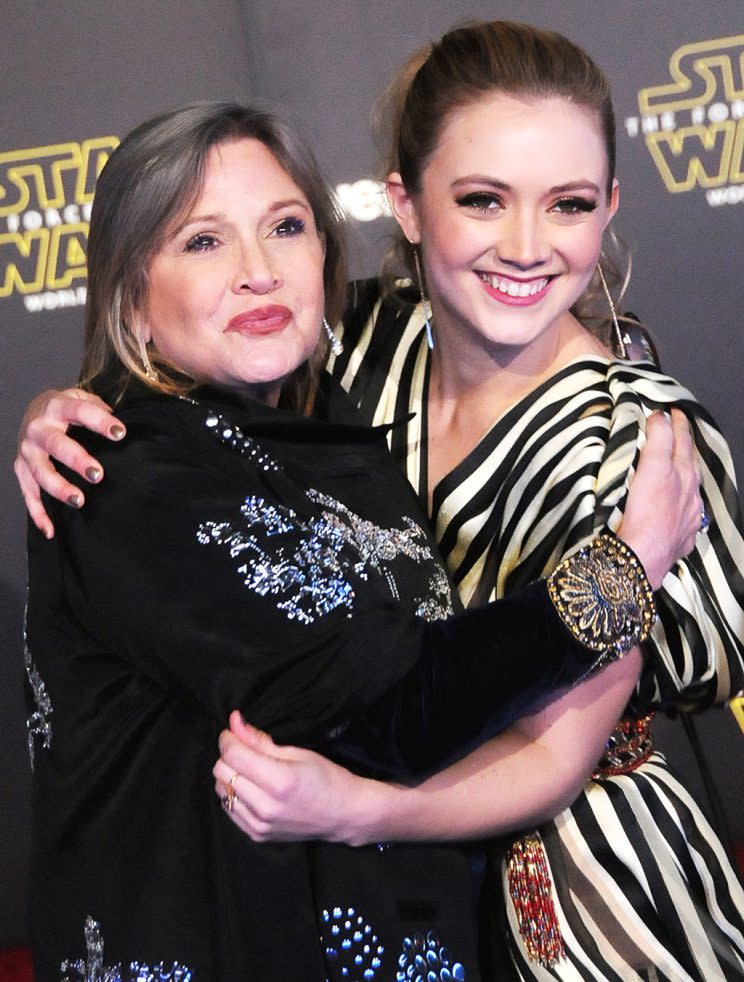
[602, 595]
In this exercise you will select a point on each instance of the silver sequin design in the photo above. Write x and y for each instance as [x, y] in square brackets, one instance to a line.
[233, 437]
[350, 944]
[38, 724]
[92, 968]
[424, 959]
[309, 565]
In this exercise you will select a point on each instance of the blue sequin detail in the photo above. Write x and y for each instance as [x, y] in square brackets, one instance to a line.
[92, 968]
[350, 945]
[233, 437]
[310, 565]
[424, 959]
[38, 724]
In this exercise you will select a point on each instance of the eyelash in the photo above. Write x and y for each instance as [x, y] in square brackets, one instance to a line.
[206, 241]
[201, 242]
[480, 201]
[575, 206]
[486, 201]
[289, 227]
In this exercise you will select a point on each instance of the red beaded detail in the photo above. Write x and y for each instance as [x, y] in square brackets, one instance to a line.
[530, 888]
[630, 744]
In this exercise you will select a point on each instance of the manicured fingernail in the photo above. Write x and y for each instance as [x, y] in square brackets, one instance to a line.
[75, 501]
[116, 432]
[93, 474]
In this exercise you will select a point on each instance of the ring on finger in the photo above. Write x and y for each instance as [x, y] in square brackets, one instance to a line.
[228, 800]
[704, 520]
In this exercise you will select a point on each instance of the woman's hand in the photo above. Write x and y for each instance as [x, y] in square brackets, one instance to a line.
[43, 434]
[287, 793]
[663, 513]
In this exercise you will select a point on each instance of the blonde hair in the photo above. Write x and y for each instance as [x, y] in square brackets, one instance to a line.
[467, 63]
[154, 176]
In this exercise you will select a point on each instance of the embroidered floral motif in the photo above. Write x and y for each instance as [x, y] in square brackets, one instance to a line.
[438, 605]
[232, 436]
[310, 564]
[423, 959]
[92, 969]
[38, 723]
[351, 946]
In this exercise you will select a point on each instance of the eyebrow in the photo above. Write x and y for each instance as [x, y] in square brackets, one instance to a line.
[219, 216]
[580, 185]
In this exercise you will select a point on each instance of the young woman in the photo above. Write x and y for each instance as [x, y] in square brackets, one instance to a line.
[526, 431]
[526, 426]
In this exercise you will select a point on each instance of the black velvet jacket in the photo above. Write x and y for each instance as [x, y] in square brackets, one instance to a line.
[237, 556]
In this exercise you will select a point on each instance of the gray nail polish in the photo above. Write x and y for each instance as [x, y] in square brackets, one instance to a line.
[116, 432]
[75, 501]
[93, 474]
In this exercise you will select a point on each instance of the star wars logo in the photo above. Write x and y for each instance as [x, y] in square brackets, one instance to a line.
[45, 199]
[693, 126]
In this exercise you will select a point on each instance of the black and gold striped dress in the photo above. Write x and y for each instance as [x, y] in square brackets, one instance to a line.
[631, 882]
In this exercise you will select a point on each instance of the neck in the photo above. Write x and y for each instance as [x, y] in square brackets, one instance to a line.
[466, 365]
[474, 381]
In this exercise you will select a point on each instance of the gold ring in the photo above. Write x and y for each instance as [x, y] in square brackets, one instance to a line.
[228, 800]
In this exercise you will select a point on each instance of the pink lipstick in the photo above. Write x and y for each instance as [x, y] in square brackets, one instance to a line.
[513, 292]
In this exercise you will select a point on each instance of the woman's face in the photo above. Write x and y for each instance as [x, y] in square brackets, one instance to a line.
[510, 217]
[235, 293]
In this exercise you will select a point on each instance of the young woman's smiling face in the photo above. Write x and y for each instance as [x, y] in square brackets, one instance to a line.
[509, 217]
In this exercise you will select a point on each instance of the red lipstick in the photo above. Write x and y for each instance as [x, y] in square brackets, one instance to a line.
[262, 320]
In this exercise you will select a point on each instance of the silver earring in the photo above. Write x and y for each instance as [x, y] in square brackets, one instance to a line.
[146, 365]
[619, 337]
[337, 345]
[424, 299]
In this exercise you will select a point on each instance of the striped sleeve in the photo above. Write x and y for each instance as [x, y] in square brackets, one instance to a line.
[696, 652]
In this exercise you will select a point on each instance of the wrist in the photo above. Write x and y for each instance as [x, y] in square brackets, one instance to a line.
[370, 812]
[603, 596]
[647, 548]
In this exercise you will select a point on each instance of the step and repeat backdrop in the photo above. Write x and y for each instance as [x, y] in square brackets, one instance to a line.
[76, 76]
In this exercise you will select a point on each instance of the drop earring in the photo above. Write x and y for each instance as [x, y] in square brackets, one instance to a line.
[337, 345]
[146, 365]
[424, 299]
[619, 338]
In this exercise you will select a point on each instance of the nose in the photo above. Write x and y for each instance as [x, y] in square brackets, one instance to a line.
[521, 243]
[254, 272]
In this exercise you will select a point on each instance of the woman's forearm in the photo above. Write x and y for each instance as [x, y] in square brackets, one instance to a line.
[523, 777]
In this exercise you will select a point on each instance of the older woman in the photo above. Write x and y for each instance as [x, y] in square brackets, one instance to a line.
[245, 553]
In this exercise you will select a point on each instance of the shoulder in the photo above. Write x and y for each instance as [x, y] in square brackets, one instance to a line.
[654, 389]
[369, 306]
[153, 423]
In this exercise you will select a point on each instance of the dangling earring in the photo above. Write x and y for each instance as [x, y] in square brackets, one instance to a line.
[619, 338]
[145, 357]
[424, 299]
[337, 345]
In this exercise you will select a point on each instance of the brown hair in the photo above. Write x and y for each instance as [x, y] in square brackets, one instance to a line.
[154, 176]
[469, 62]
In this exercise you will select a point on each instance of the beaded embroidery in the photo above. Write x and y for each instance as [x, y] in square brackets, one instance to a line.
[233, 437]
[92, 969]
[350, 944]
[308, 565]
[424, 959]
[630, 745]
[38, 723]
[530, 888]
[602, 595]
